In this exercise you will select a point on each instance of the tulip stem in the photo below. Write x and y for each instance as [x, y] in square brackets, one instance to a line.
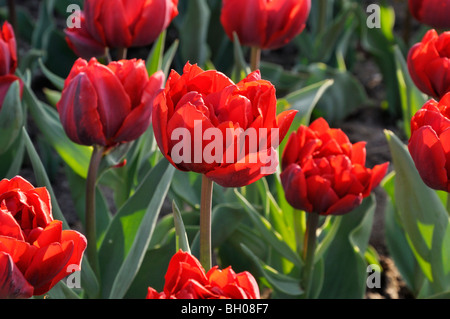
[91, 233]
[309, 247]
[205, 222]
[299, 228]
[121, 53]
[255, 58]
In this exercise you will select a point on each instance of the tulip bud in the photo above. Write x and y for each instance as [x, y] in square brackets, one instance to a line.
[433, 13]
[266, 24]
[108, 105]
[119, 23]
[428, 64]
[428, 144]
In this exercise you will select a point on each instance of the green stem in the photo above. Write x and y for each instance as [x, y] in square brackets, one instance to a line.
[121, 53]
[255, 58]
[299, 228]
[308, 251]
[91, 233]
[205, 222]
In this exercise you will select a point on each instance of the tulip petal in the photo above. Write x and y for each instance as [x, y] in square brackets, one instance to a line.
[429, 157]
[285, 20]
[249, 22]
[155, 16]
[78, 112]
[51, 234]
[9, 226]
[284, 120]
[246, 171]
[13, 284]
[48, 262]
[246, 281]
[345, 205]
[140, 117]
[295, 187]
[320, 193]
[113, 103]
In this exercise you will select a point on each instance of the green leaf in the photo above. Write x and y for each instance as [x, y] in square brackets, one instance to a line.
[284, 284]
[169, 56]
[130, 222]
[12, 159]
[42, 178]
[396, 240]
[423, 217]
[305, 99]
[412, 99]
[272, 237]
[136, 254]
[11, 117]
[343, 97]
[182, 240]
[241, 68]
[48, 122]
[155, 57]
[62, 291]
[194, 32]
[345, 264]
[325, 242]
[56, 80]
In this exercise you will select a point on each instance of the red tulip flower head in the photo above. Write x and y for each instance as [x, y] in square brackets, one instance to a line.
[35, 253]
[8, 61]
[433, 13]
[429, 64]
[123, 23]
[429, 144]
[203, 122]
[8, 50]
[266, 24]
[108, 105]
[323, 172]
[186, 279]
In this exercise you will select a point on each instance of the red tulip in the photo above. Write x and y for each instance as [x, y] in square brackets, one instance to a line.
[8, 61]
[35, 253]
[122, 23]
[81, 41]
[434, 13]
[186, 279]
[429, 143]
[202, 120]
[108, 105]
[267, 24]
[324, 173]
[8, 50]
[429, 64]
